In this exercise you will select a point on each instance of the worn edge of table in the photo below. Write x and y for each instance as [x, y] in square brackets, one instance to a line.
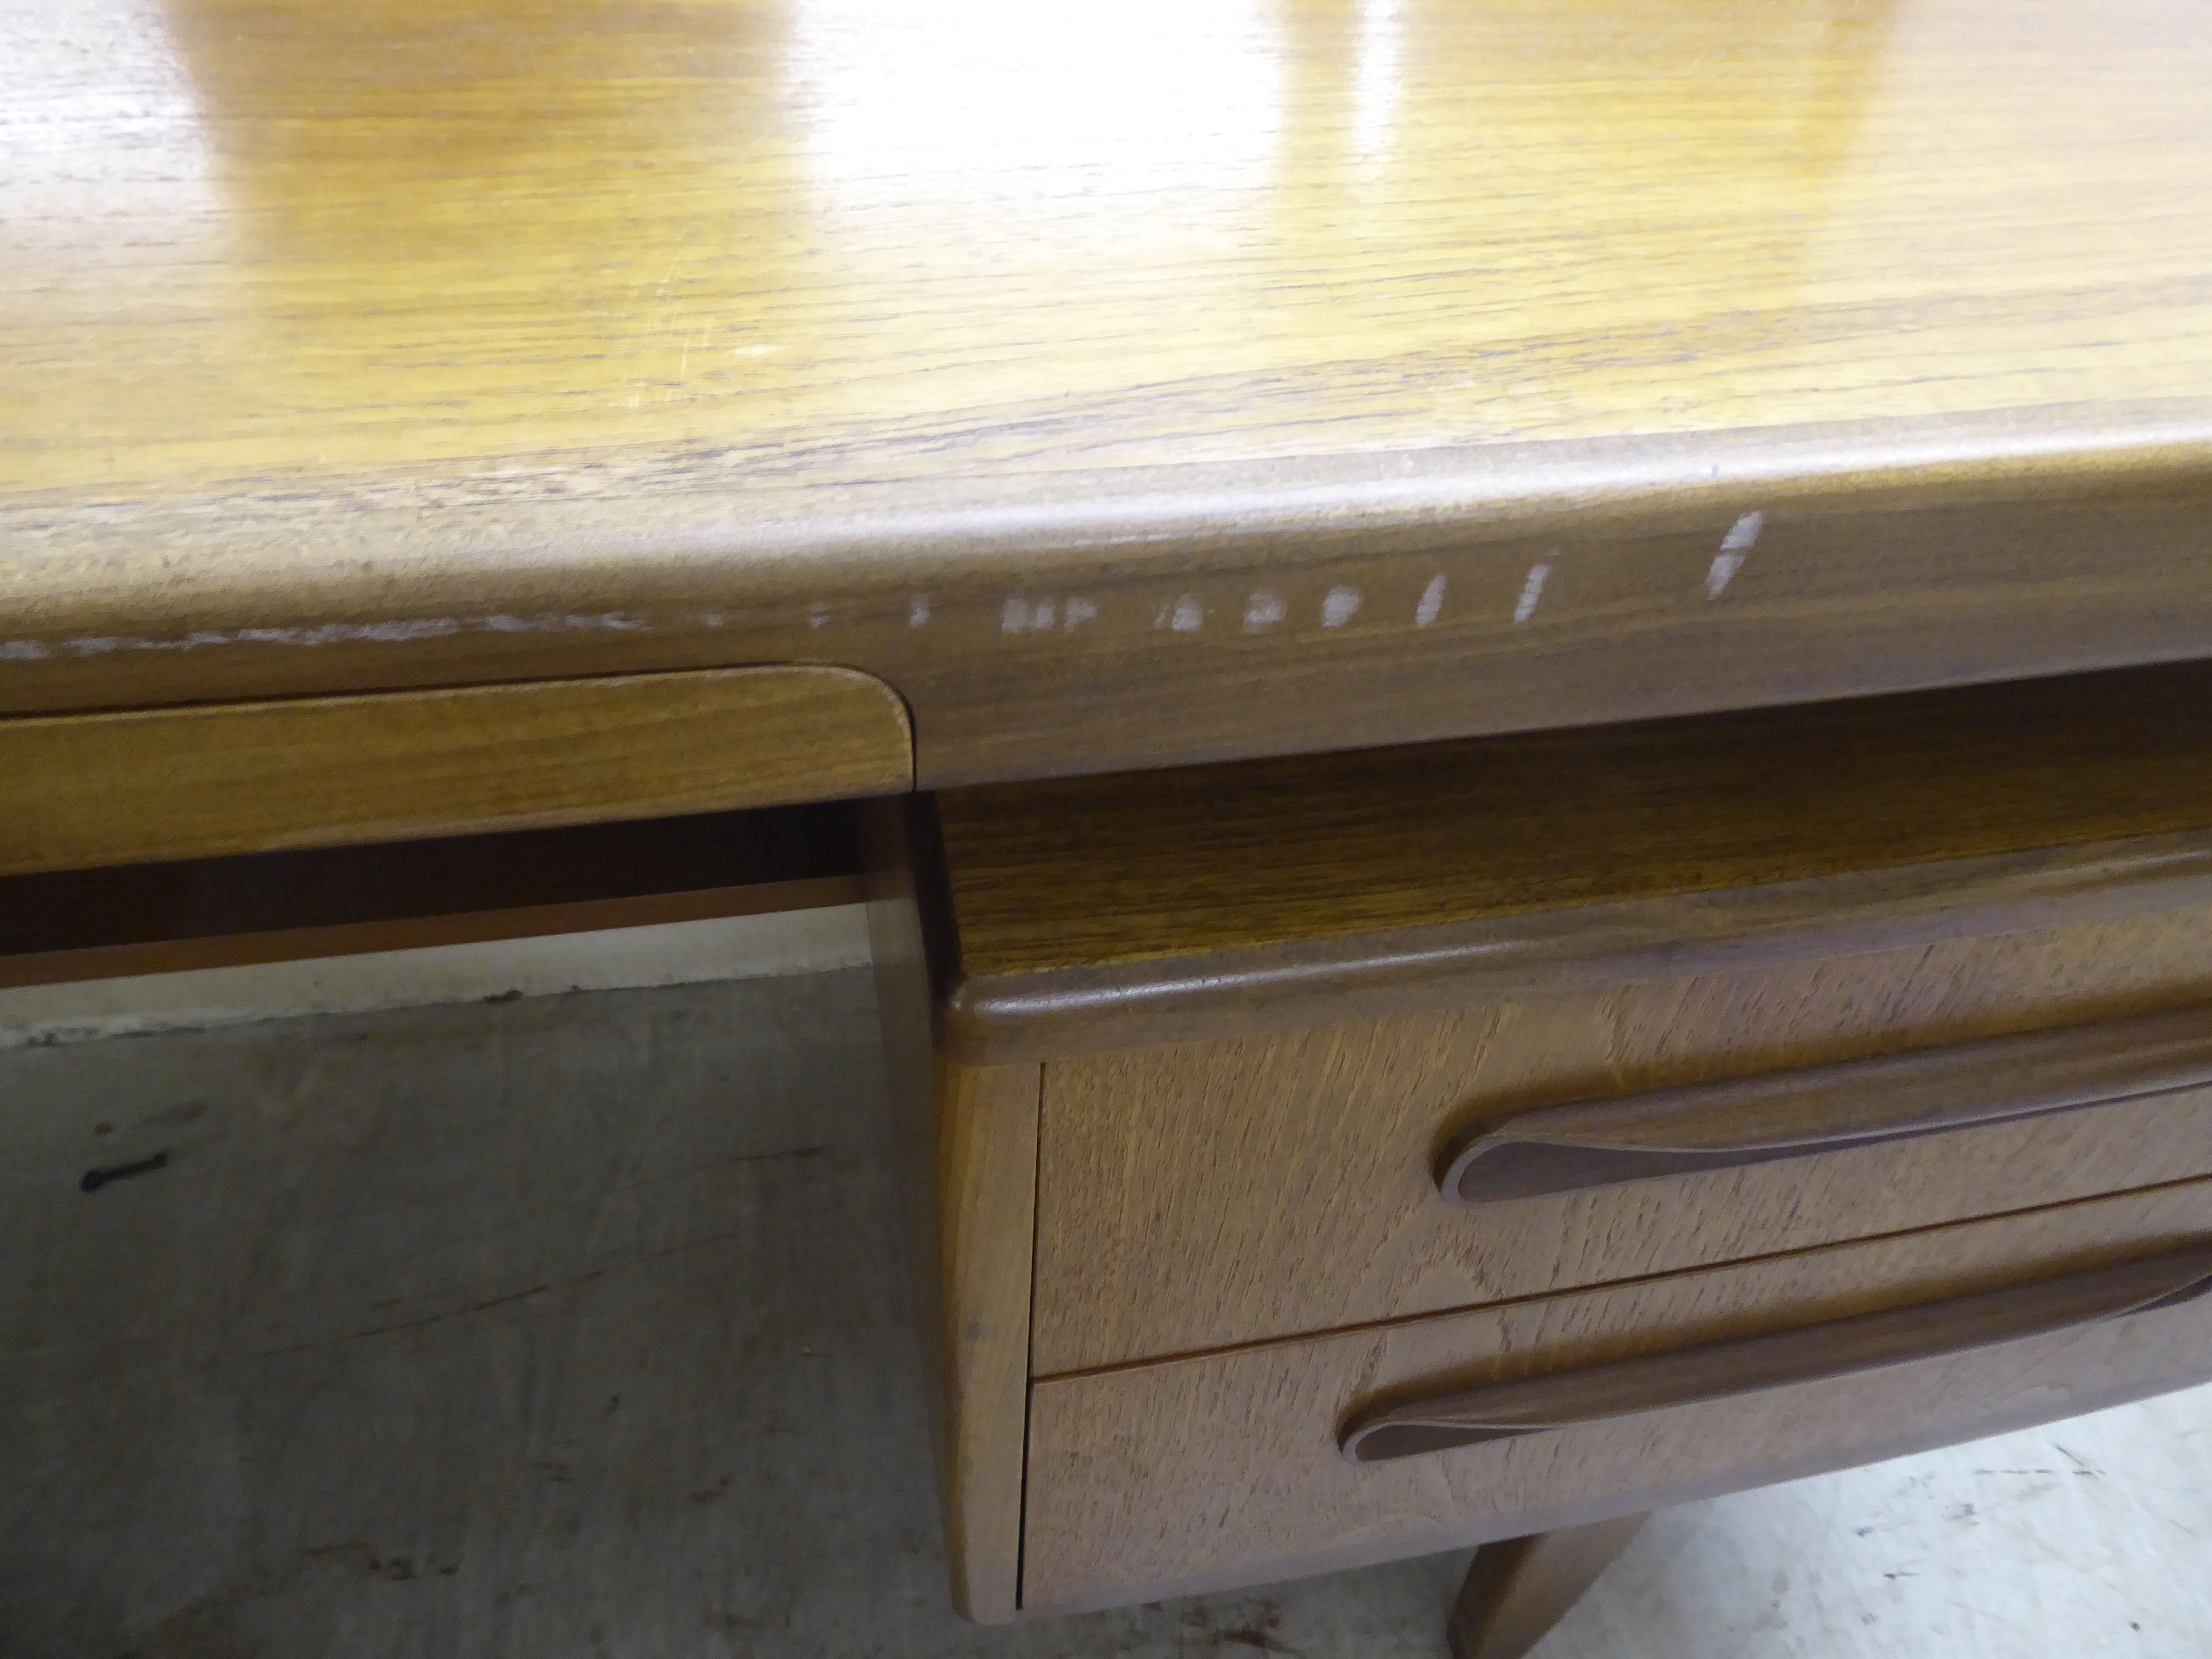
[1897, 555]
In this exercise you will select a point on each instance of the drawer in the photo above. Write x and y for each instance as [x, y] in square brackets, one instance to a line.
[1207, 1194]
[1189, 1053]
[1229, 1468]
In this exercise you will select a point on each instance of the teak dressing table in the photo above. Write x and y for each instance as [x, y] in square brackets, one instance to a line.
[1495, 617]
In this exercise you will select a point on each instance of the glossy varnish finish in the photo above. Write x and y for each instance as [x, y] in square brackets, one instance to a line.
[1089, 872]
[1122, 389]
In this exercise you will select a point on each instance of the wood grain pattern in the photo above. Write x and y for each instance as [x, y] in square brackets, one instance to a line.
[1249, 1189]
[439, 344]
[1224, 1469]
[1083, 871]
[102, 789]
[1153, 907]
[966, 1147]
[986, 1174]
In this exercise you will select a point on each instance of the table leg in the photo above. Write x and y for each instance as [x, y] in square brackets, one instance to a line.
[1518, 1588]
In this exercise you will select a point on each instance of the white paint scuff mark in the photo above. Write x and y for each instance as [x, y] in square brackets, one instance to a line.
[1023, 615]
[429, 627]
[1340, 606]
[380, 632]
[1432, 603]
[621, 620]
[917, 612]
[1190, 615]
[1026, 615]
[1264, 609]
[816, 618]
[1532, 591]
[1742, 537]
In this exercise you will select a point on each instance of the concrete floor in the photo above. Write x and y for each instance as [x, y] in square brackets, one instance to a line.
[575, 1326]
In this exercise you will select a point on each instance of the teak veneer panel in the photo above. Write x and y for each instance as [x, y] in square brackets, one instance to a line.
[976, 1226]
[965, 1143]
[196, 782]
[1206, 1194]
[1479, 222]
[1133, 866]
[1139, 908]
[432, 344]
[1224, 1469]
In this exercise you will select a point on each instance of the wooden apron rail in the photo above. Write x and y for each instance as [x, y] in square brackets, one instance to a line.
[88, 790]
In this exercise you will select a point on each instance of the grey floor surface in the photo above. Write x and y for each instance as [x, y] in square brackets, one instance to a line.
[576, 1327]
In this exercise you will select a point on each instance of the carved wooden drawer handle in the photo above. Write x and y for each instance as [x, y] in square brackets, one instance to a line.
[1812, 1353]
[1778, 1115]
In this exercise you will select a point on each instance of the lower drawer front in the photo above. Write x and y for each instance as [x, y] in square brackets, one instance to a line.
[1225, 1468]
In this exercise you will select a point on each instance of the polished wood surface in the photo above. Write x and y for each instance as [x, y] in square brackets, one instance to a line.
[1518, 1588]
[1125, 911]
[87, 790]
[1088, 871]
[1124, 389]
[1225, 1468]
[1256, 1187]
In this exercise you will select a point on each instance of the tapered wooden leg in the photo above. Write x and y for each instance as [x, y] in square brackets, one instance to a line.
[1519, 1587]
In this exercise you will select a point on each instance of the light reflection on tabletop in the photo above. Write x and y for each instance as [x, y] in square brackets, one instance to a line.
[888, 239]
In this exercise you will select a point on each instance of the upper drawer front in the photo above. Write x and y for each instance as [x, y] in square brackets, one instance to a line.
[1195, 1197]
[1226, 1468]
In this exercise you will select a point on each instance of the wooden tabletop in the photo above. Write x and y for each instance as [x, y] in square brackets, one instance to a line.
[1143, 383]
